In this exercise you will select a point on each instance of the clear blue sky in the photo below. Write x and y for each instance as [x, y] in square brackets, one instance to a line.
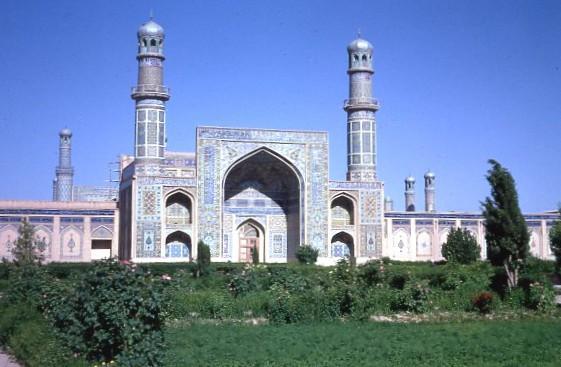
[459, 82]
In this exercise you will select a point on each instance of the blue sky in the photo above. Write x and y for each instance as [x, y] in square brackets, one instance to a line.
[459, 82]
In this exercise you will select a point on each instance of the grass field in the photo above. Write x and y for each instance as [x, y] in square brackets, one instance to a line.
[474, 343]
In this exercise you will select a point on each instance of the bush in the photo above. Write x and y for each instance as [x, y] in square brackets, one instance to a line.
[555, 243]
[307, 254]
[25, 331]
[203, 259]
[254, 255]
[483, 302]
[461, 247]
[370, 273]
[114, 312]
[413, 298]
[540, 297]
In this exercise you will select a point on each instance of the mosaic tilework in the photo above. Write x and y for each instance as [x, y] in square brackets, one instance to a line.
[71, 240]
[149, 202]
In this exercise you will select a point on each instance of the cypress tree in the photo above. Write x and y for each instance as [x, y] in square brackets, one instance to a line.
[506, 230]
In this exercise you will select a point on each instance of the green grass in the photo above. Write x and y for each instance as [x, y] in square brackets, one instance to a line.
[476, 343]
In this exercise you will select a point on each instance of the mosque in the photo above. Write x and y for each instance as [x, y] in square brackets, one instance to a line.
[242, 189]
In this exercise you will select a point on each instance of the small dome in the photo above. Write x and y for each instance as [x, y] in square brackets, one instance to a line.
[410, 179]
[387, 198]
[359, 44]
[151, 28]
[429, 174]
[65, 132]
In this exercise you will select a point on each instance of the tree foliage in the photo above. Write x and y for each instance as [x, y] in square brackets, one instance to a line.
[27, 249]
[461, 247]
[203, 259]
[555, 242]
[506, 231]
[307, 254]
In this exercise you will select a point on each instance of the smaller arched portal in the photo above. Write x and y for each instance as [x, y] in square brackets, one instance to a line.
[250, 239]
[342, 245]
[178, 210]
[342, 211]
[178, 245]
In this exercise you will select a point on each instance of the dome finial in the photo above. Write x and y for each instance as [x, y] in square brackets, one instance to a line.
[359, 35]
[151, 14]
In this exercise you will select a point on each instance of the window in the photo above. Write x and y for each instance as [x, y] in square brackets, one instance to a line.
[366, 147]
[356, 125]
[151, 134]
[366, 125]
[161, 116]
[355, 142]
[153, 42]
[141, 138]
[142, 115]
[152, 115]
[161, 135]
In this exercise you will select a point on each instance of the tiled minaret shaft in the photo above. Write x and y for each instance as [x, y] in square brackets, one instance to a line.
[64, 181]
[361, 108]
[150, 95]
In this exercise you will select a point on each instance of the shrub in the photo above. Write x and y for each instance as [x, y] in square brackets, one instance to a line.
[255, 255]
[540, 297]
[413, 298]
[370, 273]
[114, 312]
[483, 302]
[555, 242]
[244, 281]
[27, 249]
[461, 247]
[307, 254]
[203, 259]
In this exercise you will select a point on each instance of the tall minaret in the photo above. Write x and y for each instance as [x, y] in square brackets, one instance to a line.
[63, 182]
[150, 95]
[410, 194]
[360, 108]
[429, 192]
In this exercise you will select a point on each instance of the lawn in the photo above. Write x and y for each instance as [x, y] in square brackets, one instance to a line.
[474, 343]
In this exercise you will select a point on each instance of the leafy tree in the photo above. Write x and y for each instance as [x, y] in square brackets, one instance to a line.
[506, 231]
[255, 255]
[555, 242]
[306, 254]
[203, 259]
[461, 247]
[27, 250]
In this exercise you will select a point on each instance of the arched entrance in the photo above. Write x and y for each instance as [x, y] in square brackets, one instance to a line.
[342, 245]
[266, 189]
[342, 212]
[178, 210]
[250, 238]
[178, 244]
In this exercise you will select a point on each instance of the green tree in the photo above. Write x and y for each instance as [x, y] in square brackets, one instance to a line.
[306, 254]
[461, 247]
[555, 242]
[27, 249]
[255, 255]
[203, 259]
[506, 231]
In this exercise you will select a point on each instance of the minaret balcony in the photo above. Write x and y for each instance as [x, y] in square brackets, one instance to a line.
[361, 103]
[150, 90]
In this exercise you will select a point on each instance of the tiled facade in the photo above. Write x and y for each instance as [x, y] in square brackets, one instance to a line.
[243, 189]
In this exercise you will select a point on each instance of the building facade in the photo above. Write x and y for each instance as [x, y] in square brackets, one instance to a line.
[243, 190]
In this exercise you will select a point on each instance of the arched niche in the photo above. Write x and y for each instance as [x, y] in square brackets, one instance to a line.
[342, 245]
[342, 211]
[178, 245]
[179, 209]
[250, 238]
[264, 184]
[424, 243]
[400, 243]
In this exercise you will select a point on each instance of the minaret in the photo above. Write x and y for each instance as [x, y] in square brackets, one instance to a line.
[150, 95]
[360, 108]
[429, 192]
[410, 194]
[388, 204]
[63, 182]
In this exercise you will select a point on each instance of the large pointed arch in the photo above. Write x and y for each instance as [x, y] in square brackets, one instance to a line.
[263, 183]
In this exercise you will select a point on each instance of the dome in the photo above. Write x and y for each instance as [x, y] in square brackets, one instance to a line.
[387, 198]
[360, 45]
[65, 132]
[410, 179]
[429, 174]
[151, 28]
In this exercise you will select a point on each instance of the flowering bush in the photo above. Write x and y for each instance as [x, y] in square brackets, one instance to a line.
[483, 302]
[114, 312]
[540, 297]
